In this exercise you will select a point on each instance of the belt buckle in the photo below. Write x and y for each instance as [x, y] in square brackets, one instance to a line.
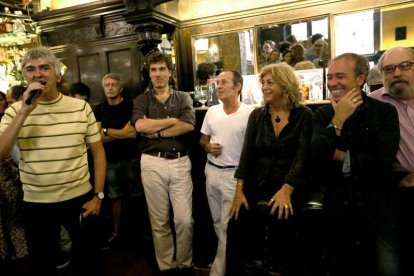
[172, 155]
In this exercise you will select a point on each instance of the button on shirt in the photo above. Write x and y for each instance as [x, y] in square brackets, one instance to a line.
[178, 105]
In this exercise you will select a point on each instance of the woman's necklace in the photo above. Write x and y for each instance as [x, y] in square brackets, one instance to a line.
[277, 119]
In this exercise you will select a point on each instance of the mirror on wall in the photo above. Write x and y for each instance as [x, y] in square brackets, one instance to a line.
[373, 31]
[276, 40]
[229, 51]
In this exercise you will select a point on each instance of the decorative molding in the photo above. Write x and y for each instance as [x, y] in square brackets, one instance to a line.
[118, 28]
[87, 33]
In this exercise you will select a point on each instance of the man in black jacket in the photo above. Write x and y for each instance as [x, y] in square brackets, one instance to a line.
[354, 144]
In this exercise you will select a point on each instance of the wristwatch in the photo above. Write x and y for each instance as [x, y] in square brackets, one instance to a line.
[105, 131]
[99, 195]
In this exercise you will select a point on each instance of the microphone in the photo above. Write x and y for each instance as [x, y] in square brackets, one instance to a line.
[34, 94]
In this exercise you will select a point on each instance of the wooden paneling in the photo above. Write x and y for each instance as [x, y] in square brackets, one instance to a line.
[90, 74]
[89, 64]
[120, 62]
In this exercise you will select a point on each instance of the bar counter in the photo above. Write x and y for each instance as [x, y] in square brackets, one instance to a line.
[313, 104]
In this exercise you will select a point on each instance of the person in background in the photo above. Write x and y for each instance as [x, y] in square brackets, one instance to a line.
[121, 149]
[374, 79]
[274, 56]
[80, 90]
[291, 39]
[164, 117]
[353, 149]
[287, 56]
[222, 135]
[298, 54]
[321, 51]
[51, 132]
[205, 71]
[310, 52]
[267, 48]
[271, 168]
[13, 245]
[283, 46]
[3, 104]
[15, 94]
[397, 70]
[304, 65]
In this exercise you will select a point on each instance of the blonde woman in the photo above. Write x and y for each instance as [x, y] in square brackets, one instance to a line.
[271, 167]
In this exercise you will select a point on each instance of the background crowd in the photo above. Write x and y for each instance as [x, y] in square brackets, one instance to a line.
[264, 167]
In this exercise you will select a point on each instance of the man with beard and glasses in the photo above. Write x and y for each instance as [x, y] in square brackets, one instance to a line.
[396, 67]
[353, 148]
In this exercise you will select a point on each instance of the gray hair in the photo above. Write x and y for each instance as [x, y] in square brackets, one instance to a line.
[113, 76]
[381, 60]
[41, 52]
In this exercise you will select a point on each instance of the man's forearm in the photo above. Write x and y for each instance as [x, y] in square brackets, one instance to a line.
[99, 162]
[149, 126]
[177, 129]
[128, 132]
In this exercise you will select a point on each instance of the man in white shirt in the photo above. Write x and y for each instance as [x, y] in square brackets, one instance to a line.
[222, 138]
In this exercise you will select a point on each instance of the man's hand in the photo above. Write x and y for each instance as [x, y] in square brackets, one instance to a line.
[214, 148]
[408, 180]
[346, 106]
[92, 207]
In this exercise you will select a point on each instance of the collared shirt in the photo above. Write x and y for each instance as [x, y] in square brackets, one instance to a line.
[178, 105]
[405, 155]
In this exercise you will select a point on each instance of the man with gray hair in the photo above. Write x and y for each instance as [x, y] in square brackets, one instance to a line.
[396, 67]
[51, 131]
[121, 149]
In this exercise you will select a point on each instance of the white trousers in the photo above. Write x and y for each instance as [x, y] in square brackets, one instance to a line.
[168, 181]
[220, 188]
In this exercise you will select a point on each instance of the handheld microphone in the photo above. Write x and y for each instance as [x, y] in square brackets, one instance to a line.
[34, 94]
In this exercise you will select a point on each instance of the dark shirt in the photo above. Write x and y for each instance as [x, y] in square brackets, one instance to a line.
[268, 161]
[178, 105]
[371, 135]
[117, 116]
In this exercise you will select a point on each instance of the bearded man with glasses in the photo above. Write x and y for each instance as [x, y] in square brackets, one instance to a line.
[396, 66]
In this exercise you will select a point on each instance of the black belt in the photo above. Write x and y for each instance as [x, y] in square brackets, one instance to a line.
[220, 167]
[167, 155]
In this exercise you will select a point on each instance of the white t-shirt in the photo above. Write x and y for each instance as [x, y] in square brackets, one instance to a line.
[228, 131]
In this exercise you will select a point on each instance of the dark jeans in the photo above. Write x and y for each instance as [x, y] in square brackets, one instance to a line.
[407, 229]
[43, 222]
[362, 232]
[256, 235]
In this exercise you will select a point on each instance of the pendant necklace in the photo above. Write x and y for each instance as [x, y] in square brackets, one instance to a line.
[277, 119]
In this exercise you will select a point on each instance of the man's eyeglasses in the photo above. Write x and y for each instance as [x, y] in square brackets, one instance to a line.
[114, 84]
[403, 66]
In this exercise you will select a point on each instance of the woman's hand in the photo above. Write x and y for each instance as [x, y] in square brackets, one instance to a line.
[282, 200]
[238, 201]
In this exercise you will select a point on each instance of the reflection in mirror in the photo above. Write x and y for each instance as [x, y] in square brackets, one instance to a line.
[302, 35]
[229, 51]
[373, 31]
